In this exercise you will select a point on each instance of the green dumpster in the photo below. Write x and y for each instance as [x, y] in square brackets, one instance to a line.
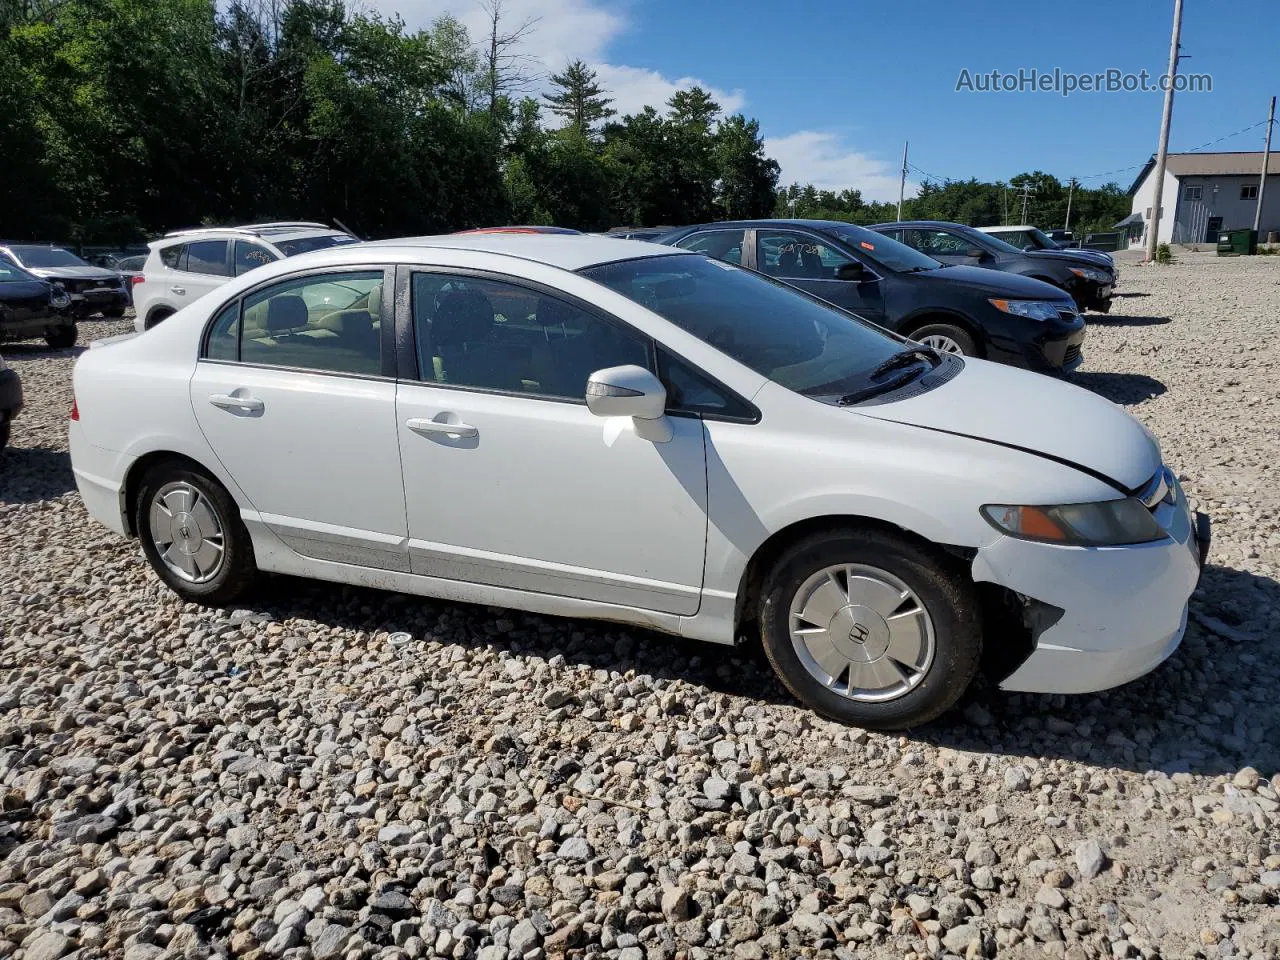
[1234, 243]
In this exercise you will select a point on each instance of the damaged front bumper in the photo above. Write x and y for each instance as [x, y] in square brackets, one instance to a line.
[1123, 609]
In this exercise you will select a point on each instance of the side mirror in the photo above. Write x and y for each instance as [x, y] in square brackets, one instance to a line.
[977, 253]
[1030, 248]
[853, 270]
[626, 391]
[631, 391]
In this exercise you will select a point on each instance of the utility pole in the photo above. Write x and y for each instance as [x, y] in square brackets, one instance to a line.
[1026, 198]
[902, 184]
[1266, 157]
[1162, 155]
[1071, 189]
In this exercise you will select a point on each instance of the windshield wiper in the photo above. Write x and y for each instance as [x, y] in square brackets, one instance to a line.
[904, 358]
[875, 389]
[910, 355]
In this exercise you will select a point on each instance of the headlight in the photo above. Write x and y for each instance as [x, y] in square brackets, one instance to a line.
[60, 297]
[1088, 273]
[1101, 524]
[1031, 309]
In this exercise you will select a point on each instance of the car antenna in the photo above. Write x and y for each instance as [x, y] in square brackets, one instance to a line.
[348, 229]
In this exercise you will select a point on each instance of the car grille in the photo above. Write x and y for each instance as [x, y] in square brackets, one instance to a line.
[1072, 354]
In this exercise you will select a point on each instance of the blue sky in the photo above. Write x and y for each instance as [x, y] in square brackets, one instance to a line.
[839, 85]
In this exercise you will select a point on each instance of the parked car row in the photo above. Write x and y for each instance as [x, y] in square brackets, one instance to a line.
[642, 433]
[957, 310]
[91, 289]
[33, 307]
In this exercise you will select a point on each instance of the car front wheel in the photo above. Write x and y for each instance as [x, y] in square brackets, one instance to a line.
[946, 338]
[193, 536]
[870, 628]
[61, 337]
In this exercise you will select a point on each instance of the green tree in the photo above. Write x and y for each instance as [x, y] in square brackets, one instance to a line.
[746, 178]
[578, 98]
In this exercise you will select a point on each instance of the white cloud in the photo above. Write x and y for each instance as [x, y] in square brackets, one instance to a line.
[564, 30]
[633, 88]
[826, 161]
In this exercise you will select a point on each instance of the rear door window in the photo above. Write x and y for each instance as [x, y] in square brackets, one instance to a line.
[207, 257]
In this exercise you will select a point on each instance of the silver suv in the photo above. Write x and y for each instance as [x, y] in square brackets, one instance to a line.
[186, 264]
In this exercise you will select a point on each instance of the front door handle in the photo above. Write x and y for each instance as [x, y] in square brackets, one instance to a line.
[180, 291]
[243, 404]
[419, 425]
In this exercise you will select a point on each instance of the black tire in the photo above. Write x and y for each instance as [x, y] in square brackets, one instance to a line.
[238, 569]
[113, 313]
[4, 432]
[943, 592]
[59, 338]
[957, 335]
[158, 316]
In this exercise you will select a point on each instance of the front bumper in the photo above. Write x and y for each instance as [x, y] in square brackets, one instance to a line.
[94, 301]
[1124, 609]
[1049, 346]
[10, 394]
[1091, 295]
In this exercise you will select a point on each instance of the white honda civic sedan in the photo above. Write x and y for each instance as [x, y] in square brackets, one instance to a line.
[593, 427]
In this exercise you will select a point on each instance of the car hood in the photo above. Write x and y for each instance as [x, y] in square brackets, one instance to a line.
[1077, 257]
[997, 282]
[23, 291]
[1038, 414]
[74, 273]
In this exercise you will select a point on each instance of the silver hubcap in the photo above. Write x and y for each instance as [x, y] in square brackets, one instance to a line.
[862, 632]
[187, 533]
[942, 344]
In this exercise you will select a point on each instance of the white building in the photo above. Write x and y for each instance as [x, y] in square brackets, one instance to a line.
[1204, 194]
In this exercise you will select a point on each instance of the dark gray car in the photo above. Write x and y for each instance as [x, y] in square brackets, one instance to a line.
[1089, 282]
[92, 289]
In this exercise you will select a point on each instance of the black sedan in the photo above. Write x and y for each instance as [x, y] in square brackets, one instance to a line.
[92, 289]
[1089, 282]
[965, 310]
[31, 307]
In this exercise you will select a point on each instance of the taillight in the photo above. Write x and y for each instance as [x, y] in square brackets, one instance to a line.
[137, 278]
[75, 410]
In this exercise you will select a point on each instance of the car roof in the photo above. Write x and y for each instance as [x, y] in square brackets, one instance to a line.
[770, 222]
[1021, 226]
[941, 224]
[271, 232]
[566, 251]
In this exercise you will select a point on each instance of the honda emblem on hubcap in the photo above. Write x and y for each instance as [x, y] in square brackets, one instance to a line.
[858, 633]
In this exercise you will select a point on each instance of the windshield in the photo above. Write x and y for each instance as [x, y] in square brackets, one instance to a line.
[291, 248]
[9, 273]
[1042, 239]
[884, 250]
[47, 257]
[797, 341]
[986, 241]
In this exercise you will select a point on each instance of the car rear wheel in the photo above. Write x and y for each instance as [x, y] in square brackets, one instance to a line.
[946, 338]
[869, 628]
[158, 316]
[113, 313]
[61, 337]
[192, 535]
[4, 431]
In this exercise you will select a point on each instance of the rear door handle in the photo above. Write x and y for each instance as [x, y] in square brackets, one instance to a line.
[245, 404]
[180, 291]
[419, 425]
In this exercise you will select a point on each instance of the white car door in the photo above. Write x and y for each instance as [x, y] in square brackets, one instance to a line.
[202, 265]
[510, 480]
[291, 395]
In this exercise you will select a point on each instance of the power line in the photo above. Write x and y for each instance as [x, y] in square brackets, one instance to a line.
[1195, 149]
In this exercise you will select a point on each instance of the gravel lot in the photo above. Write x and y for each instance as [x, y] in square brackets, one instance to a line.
[333, 772]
